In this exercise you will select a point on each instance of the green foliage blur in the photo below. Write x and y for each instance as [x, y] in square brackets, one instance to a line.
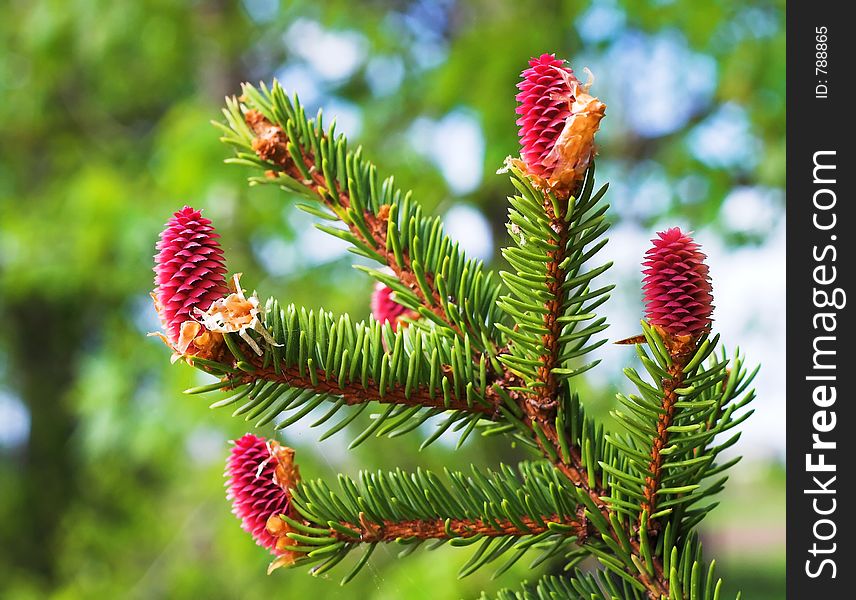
[110, 479]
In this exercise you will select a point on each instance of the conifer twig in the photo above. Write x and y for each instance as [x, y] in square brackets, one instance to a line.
[271, 144]
[354, 393]
[426, 529]
[547, 393]
[664, 421]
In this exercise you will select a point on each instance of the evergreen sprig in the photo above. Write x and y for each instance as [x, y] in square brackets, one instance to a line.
[670, 446]
[497, 355]
[431, 274]
[550, 299]
[504, 513]
[314, 358]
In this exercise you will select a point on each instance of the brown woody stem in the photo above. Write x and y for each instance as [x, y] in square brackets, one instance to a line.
[354, 393]
[574, 470]
[680, 349]
[661, 440]
[572, 467]
[546, 397]
[425, 529]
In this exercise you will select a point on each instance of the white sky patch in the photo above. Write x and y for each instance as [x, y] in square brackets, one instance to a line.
[751, 22]
[261, 11]
[300, 79]
[601, 21]
[636, 190]
[692, 189]
[468, 226]
[428, 53]
[320, 248]
[455, 144]
[143, 314]
[661, 82]
[301, 435]
[204, 445]
[14, 421]
[335, 55]
[311, 247]
[384, 74]
[277, 256]
[725, 139]
[652, 193]
[749, 295]
[421, 133]
[348, 116]
[752, 209]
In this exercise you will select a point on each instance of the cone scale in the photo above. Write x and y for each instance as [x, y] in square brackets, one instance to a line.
[189, 270]
[543, 108]
[254, 489]
[385, 309]
[676, 286]
[558, 120]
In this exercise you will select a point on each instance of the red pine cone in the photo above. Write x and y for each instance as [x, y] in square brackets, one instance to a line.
[384, 308]
[189, 269]
[253, 489]
[676, 287]
[544, 105]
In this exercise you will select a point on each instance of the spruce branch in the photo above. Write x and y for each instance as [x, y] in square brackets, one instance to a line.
[500, 361]
[580, 586]
[689, 576]
[555, 279]
[355, 394]
[505, 512]
[431, 274]
[672, 423]
[577, 449]
[551, 299]
[707, 403]
[448, 529]
[554, 307]
[313, 357]
[680, 351]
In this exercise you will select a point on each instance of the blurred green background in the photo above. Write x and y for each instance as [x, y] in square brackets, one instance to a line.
[110, 478]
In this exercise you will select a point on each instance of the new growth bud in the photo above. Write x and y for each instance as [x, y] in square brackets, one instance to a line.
[558, 121]
[260, 473]
[385, 309]
[676, 286]
[189, 276]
